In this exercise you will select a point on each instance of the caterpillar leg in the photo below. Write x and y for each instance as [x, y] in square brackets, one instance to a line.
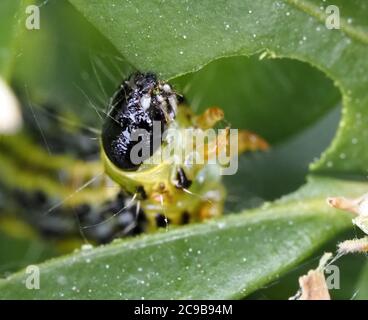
[209, 118]
[243, 140]
[249, 141]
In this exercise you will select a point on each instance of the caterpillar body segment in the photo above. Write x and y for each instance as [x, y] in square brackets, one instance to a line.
[72, 198]
[178, 181]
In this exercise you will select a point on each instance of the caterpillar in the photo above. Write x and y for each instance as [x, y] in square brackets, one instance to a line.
[154, 192]
[171, 190]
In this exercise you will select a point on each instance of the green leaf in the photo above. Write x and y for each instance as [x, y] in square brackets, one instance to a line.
[82, 67]
[247, 250]
[175, 37]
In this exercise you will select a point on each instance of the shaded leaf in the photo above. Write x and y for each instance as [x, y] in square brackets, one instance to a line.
[267, 96]
[247, 250]
[190, 35]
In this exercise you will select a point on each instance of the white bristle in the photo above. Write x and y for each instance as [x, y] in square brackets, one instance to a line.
[173, 103]
[160, 98]
[353, 246]
[145, 102]
[166, 87]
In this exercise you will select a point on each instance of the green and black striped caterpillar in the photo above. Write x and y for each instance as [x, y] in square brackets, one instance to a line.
[133, 196]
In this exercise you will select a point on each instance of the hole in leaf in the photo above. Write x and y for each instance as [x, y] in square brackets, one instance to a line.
[290, 103]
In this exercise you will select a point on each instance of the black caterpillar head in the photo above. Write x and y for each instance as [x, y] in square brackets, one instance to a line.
[138, 103]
